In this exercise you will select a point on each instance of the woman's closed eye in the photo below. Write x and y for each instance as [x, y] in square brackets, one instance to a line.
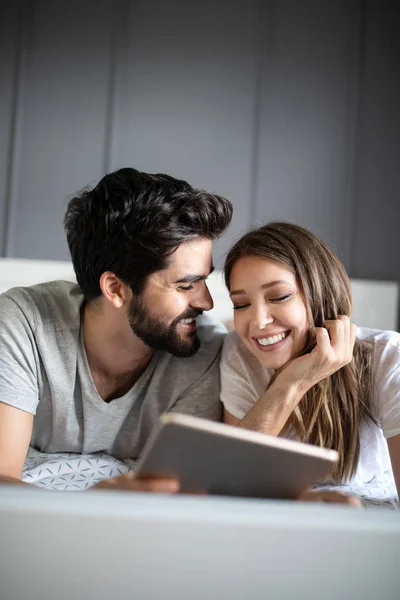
[240, 306]
[277, 300]
[280, 298]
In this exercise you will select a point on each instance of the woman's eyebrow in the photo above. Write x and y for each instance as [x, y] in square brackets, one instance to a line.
[263, 287]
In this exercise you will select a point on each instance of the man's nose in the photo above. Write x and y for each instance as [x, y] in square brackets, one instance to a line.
[204, 299]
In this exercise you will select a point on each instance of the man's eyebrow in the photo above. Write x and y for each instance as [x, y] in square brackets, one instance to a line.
[193, 278]
[263, 287]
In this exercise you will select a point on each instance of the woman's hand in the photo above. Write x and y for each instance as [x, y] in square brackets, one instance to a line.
[329, 496]
[334, 345]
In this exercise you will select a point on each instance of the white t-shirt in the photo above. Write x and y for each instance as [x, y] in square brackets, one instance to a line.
[244, 379]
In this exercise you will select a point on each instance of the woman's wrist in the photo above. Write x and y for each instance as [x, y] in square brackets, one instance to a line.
[271, 412]
[288, 393]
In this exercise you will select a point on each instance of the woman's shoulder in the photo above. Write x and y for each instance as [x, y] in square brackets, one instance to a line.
[243, 377]
[233, 347]
[235, 351]
[383, 341]
[232, 340]
[385, 350]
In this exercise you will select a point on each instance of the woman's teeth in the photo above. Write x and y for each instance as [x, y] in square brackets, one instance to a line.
[187, 321]
[268, 341]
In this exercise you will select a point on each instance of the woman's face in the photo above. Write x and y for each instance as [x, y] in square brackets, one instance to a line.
[270, 314]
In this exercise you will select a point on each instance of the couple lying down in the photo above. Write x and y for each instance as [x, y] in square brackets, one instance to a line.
[90, 367]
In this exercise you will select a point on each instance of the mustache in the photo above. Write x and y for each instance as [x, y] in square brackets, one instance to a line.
[188, 314]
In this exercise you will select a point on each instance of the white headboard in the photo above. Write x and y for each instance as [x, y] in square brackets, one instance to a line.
[15, 272]
[375, 302]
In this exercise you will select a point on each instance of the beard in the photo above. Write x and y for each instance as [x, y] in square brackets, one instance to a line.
[158, 335]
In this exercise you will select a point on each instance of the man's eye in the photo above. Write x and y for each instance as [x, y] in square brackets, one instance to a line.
[240, 306]
[185, 288]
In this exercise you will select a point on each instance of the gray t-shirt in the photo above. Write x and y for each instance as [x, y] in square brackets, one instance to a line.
[44, 371]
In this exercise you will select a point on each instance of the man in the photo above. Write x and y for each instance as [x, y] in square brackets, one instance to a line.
[90, 367]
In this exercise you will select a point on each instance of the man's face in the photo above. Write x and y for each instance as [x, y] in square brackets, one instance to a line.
[164, 315]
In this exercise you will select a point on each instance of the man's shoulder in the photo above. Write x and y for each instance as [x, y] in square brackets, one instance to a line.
[175, 377]
[54, 301]
[210, 331]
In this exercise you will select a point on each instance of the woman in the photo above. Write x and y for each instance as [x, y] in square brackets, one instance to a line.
[296, 366]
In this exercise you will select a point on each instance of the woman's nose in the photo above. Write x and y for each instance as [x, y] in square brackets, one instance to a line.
[262, 316]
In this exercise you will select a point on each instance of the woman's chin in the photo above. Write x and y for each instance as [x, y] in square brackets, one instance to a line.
[272, 362]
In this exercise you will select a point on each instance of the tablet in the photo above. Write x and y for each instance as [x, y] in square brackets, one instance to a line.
[221, 459]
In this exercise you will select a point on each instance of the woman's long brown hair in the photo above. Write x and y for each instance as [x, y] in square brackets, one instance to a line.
[330, 413]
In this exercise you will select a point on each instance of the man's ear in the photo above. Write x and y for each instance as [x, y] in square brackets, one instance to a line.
[114, 290]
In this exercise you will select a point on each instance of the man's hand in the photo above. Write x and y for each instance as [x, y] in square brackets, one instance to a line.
[129, 482]
[334, 345]
[329, 496]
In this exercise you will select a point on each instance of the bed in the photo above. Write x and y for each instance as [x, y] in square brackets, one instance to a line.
[376, 306]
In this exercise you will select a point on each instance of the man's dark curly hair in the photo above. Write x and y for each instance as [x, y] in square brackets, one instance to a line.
[132, 222]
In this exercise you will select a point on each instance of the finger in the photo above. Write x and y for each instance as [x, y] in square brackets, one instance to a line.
[347, 332]
[344, 319]
[130, 483]
[307, 496]
[336, 333]
[339, 498]
[322, 340]
[330, 497]
[311, 496]
[120, 482]
[167, 485]
[350, 331]
[353, 335]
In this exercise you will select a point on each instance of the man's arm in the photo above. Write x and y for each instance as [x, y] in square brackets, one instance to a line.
[18, 383]
[15, 434]
[19, 396]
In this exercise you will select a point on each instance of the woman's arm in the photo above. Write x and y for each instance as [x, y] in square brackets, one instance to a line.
[270, 413]
[333, 349]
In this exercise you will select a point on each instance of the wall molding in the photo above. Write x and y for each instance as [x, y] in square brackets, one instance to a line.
[24, 26]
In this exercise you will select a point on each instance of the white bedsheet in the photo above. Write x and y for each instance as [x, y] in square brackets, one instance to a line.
[75, 472]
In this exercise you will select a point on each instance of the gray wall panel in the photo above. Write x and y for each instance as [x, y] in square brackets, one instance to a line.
[63, 118]
[290, 109]
[377, 200]
[9, 51]
[186, 94]
[307, 99]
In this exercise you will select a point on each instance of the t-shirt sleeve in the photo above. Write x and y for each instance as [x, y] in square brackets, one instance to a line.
[240, 386]
[18, 370]
[387, 388]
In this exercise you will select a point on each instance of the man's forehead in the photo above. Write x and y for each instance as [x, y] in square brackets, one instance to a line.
[190, 261]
